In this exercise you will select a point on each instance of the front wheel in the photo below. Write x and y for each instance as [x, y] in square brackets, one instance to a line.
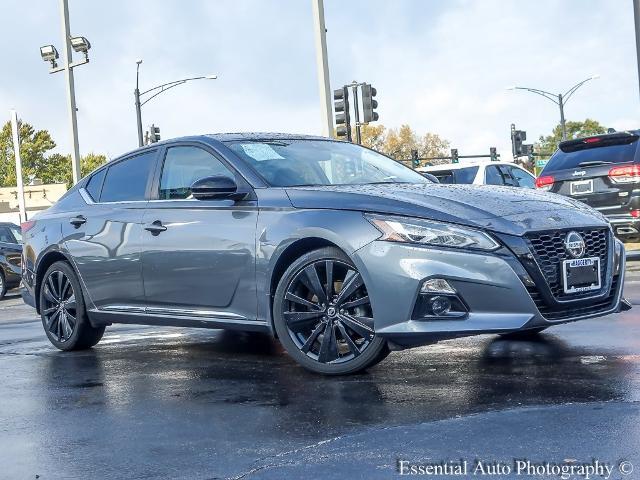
[3, 286]
[62, 309]
[323, 316]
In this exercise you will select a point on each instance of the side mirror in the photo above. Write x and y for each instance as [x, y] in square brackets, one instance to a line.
[216, 187]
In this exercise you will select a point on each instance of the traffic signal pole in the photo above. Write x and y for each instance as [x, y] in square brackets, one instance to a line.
[356, 107]
[323, 67]
[636, 17]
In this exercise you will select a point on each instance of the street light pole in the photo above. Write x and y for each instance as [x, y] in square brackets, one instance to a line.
[323, 67]
[563, 125]
[158, 89]
[136, 94]
[71, 94]
[559, 99]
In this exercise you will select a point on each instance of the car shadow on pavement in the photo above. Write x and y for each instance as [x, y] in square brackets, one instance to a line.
[218, 372]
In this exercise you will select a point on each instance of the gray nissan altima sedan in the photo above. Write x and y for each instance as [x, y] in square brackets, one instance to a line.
[341, 252]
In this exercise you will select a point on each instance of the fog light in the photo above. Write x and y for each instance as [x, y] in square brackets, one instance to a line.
[437, 285]
[440, 306]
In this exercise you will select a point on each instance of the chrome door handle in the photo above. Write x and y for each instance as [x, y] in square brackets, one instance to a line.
[155, 228]
[77, 221]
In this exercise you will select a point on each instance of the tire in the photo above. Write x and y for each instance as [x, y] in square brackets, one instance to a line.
[326, 329]
[524, 334]
[62, 309]
[3, 285]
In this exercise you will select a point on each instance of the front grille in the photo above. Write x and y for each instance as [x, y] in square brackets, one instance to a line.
[571, 311]
[549, 251]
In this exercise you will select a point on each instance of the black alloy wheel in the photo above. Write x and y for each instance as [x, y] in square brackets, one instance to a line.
[63, 312]
[326, 316]
[59, 309]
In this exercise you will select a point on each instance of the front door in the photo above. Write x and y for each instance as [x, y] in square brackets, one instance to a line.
[198, 256]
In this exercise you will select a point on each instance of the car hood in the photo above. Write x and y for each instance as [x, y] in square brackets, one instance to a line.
[501, 209]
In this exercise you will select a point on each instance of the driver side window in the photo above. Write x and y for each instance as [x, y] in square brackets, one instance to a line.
[183, 166]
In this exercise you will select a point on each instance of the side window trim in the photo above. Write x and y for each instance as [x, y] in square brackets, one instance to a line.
[150, 178]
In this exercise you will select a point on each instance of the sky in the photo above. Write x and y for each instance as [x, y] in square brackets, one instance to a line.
[439, 66]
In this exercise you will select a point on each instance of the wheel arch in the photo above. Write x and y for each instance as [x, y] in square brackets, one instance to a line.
[287, 256]
[44, 263]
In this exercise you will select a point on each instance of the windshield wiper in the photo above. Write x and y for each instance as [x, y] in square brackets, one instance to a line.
[593, 163]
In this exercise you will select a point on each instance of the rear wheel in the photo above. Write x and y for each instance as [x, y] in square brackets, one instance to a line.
[323, 316]
[62, 309]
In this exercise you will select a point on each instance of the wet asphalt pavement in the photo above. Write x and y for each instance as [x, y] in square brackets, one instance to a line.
[152, 402]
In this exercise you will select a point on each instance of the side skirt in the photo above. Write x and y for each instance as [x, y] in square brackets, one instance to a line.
[174, 318]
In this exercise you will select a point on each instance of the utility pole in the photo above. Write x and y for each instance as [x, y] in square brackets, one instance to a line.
[16, 150]
[636, 17]
[71, 94]
[322, 63]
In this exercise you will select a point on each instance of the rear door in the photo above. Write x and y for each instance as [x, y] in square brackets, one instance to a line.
[105, 236]
[588, 170]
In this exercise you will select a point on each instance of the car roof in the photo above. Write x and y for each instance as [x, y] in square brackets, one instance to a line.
[457, 166]
[262, 136]
[8, 224]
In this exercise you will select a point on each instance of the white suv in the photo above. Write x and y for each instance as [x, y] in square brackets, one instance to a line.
[482, 173]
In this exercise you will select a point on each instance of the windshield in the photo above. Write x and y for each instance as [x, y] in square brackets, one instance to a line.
[17, 233]
[287, 163]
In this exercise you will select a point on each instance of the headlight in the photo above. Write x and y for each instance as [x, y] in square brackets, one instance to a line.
[428, 232]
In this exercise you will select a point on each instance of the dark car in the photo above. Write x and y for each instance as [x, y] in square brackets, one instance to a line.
[339, 251]
[602, 171]
[10, 252]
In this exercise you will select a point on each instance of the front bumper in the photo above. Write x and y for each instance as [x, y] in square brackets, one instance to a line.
[490, 284]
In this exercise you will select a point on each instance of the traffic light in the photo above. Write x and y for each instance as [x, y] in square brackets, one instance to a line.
[369, 104]
[494, 154]
[154, 134]
[454, 155]
[517, 138]
[341, 107]
[414, 158]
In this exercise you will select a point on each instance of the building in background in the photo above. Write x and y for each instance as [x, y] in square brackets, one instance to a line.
[37, 196]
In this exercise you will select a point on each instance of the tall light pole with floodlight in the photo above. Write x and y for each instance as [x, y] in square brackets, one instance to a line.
[157, 90]
[559, 99]
[50, 54]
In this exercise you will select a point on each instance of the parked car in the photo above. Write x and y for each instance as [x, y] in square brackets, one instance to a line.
[339, 251]
[10, 251]
[602, 171]
[482, 173]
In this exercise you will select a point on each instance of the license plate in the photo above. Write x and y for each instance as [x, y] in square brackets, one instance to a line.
[581, 275]
[581, 187]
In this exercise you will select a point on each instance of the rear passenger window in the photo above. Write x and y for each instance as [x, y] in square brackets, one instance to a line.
[94, 184]
[493, 176]
[127, 180]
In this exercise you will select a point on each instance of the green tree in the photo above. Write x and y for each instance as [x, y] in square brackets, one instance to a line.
[398, 143]
[58, 169]
[547, 145]
[34, 145]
